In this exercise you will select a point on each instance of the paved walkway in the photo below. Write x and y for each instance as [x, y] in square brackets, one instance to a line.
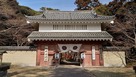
[70, 71]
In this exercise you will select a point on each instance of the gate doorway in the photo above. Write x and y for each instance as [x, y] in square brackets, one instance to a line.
[70, 58]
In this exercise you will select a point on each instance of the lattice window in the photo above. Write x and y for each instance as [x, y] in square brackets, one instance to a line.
[55, 27]
[69, 27]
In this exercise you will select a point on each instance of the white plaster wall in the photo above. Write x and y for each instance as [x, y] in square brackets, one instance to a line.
[114, 58]
[44, 27]
[23, 58]
[92, 27]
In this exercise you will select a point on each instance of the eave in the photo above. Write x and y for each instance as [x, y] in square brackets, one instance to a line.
[70, 36]
[69, 21]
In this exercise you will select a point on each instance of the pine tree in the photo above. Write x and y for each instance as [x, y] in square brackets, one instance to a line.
[86, 4]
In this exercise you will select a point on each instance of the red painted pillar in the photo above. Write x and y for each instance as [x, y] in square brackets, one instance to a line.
[87, 60]
[50, 57]
[97, 62]
[38, 55]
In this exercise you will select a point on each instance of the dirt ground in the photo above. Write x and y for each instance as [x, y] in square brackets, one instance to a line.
[112, 72]
[19, 71]
[28, 71]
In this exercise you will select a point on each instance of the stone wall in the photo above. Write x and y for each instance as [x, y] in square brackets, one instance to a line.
[24, 58]
[114, 58]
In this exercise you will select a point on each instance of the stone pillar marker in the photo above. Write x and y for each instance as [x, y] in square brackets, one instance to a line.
[0, 59]
[1, 54]
[3, 66]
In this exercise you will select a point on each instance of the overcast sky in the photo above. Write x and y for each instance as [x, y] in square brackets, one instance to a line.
[63, 5]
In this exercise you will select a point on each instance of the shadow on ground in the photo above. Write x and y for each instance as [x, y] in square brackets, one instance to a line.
[70, 72]
[98, 73]
[29, 72]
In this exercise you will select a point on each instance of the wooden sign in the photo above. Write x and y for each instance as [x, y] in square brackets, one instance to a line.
[46, 53]
[93, 52]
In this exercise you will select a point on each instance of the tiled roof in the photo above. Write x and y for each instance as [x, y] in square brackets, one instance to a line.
[69, 15]
[70, 36]
[115, 48]
[2, 51]
[10, 48]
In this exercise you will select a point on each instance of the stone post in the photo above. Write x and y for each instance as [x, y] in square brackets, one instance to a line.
[0, 59]
[3, 66]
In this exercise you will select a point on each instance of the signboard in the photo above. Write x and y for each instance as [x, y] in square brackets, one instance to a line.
[46, 53]
[93, 52]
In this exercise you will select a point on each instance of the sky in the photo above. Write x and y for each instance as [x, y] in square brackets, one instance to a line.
[63, 5]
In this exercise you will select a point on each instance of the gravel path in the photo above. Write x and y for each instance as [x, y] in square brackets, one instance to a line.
[60, 71]
[70, 72]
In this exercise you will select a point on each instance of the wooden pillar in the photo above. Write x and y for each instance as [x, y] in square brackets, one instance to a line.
[39, 57]
[97, 62]
[87, 59]
[95, 56]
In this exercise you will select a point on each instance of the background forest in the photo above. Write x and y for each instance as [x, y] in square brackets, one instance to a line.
[14, 30]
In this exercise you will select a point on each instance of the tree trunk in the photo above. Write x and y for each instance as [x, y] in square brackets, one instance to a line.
[135, 40]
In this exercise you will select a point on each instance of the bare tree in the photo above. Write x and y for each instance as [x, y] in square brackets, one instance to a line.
[124, 31]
